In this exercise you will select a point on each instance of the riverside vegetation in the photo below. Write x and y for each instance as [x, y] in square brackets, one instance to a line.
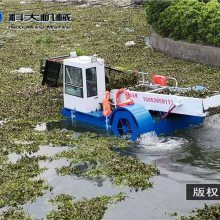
[192, 20]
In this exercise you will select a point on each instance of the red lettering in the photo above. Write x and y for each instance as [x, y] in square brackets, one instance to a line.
[156, 100]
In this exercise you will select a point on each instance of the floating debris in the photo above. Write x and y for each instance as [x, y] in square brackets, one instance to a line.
[129, 30]
[23, 142]
[3, 122]
[129, 43]
[41, 127]
[24, 70]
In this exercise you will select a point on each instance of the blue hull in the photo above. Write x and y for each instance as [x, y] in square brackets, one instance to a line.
[142, 125]
[92, 118]
[176, 122]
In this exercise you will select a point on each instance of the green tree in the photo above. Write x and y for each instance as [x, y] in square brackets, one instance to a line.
[209, 25]
[191, 20]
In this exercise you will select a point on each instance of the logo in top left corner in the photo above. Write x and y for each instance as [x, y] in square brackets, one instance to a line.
[1, 16]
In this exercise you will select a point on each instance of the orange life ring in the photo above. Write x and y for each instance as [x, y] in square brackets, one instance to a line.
[128, 101]
[106, 105]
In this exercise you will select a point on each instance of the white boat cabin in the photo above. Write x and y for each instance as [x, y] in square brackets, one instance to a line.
[84, 83]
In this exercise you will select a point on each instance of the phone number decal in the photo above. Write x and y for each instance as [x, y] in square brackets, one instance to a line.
[158, 100]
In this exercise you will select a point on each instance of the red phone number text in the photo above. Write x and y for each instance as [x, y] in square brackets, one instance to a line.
[158, 100]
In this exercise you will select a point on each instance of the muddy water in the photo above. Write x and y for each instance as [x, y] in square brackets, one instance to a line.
[192, 156]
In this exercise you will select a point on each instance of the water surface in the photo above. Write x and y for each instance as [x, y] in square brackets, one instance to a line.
[191, 156]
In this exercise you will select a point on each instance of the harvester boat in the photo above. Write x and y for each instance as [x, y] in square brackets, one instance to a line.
[127, 112]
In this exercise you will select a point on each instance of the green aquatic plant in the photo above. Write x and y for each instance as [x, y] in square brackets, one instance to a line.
[126, 171]
[14, 214]
[17, 183]
[80, 52]
[211, 212]
[20, 137]
[124, 79]
[47, 39]
[86, 209]
[94, 158]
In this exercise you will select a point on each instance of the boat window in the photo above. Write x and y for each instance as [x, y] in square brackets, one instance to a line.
[73, 81]
[91, 82]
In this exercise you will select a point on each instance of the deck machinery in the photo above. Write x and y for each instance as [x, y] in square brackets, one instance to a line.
[125, 112]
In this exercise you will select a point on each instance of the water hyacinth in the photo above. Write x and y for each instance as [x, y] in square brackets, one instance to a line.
[17, 184]
[209, 212]
[15, 214]
[95, 158]
[87, 209]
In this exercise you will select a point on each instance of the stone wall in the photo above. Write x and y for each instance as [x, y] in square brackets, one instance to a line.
[186, 51]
